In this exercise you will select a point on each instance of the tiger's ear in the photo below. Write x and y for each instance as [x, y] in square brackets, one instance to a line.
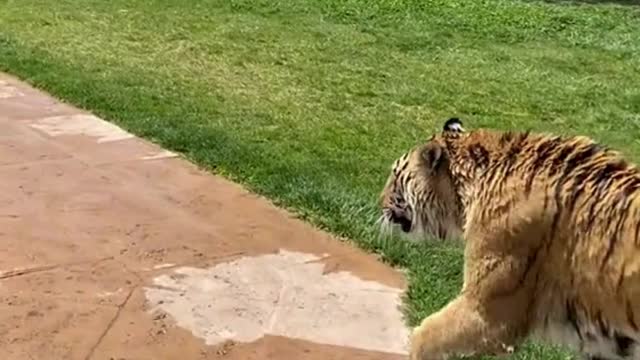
[433, 155]
[453, 125]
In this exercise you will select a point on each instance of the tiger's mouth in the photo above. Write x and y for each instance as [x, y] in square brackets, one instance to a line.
[405, 223]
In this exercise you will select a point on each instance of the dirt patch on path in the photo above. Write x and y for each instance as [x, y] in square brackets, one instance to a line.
[116, 249]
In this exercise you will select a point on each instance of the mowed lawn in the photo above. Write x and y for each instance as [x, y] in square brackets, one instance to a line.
[309, 101]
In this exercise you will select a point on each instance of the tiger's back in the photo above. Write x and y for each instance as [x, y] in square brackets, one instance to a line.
[589, 258]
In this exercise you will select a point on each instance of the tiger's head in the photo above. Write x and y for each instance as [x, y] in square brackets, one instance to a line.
[420, 196]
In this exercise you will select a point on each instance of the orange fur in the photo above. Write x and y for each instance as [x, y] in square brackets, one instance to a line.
[552, 235]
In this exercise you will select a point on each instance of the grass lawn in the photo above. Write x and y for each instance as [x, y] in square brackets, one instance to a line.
[309, 101]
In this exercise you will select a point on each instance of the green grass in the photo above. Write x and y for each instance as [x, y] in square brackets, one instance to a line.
[309, 101]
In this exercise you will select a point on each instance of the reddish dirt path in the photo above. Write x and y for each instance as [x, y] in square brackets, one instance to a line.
[90, 215]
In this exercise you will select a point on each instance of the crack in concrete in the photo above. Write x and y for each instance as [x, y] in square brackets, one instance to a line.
[110, 324]
[121, 306]
[277, 306]
[36, 269]
[21, 164]
[130, 271]
[194, 263]
[318, 260]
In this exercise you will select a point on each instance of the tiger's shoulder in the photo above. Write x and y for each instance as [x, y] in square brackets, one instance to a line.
[544, 156]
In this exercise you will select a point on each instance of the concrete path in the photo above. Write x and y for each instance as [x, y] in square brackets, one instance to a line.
[112, 248]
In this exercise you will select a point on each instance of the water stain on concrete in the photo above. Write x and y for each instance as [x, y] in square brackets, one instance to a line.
[81, 124]
[8, 91]
[284, 294]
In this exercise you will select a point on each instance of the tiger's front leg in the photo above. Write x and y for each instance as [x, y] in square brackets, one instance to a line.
[464, 327]
[502, 270]
[492, 313]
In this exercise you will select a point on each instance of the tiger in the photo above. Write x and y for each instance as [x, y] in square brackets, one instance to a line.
[550, 230]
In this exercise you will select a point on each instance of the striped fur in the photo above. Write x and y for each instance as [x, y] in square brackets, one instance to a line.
[552, 236]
